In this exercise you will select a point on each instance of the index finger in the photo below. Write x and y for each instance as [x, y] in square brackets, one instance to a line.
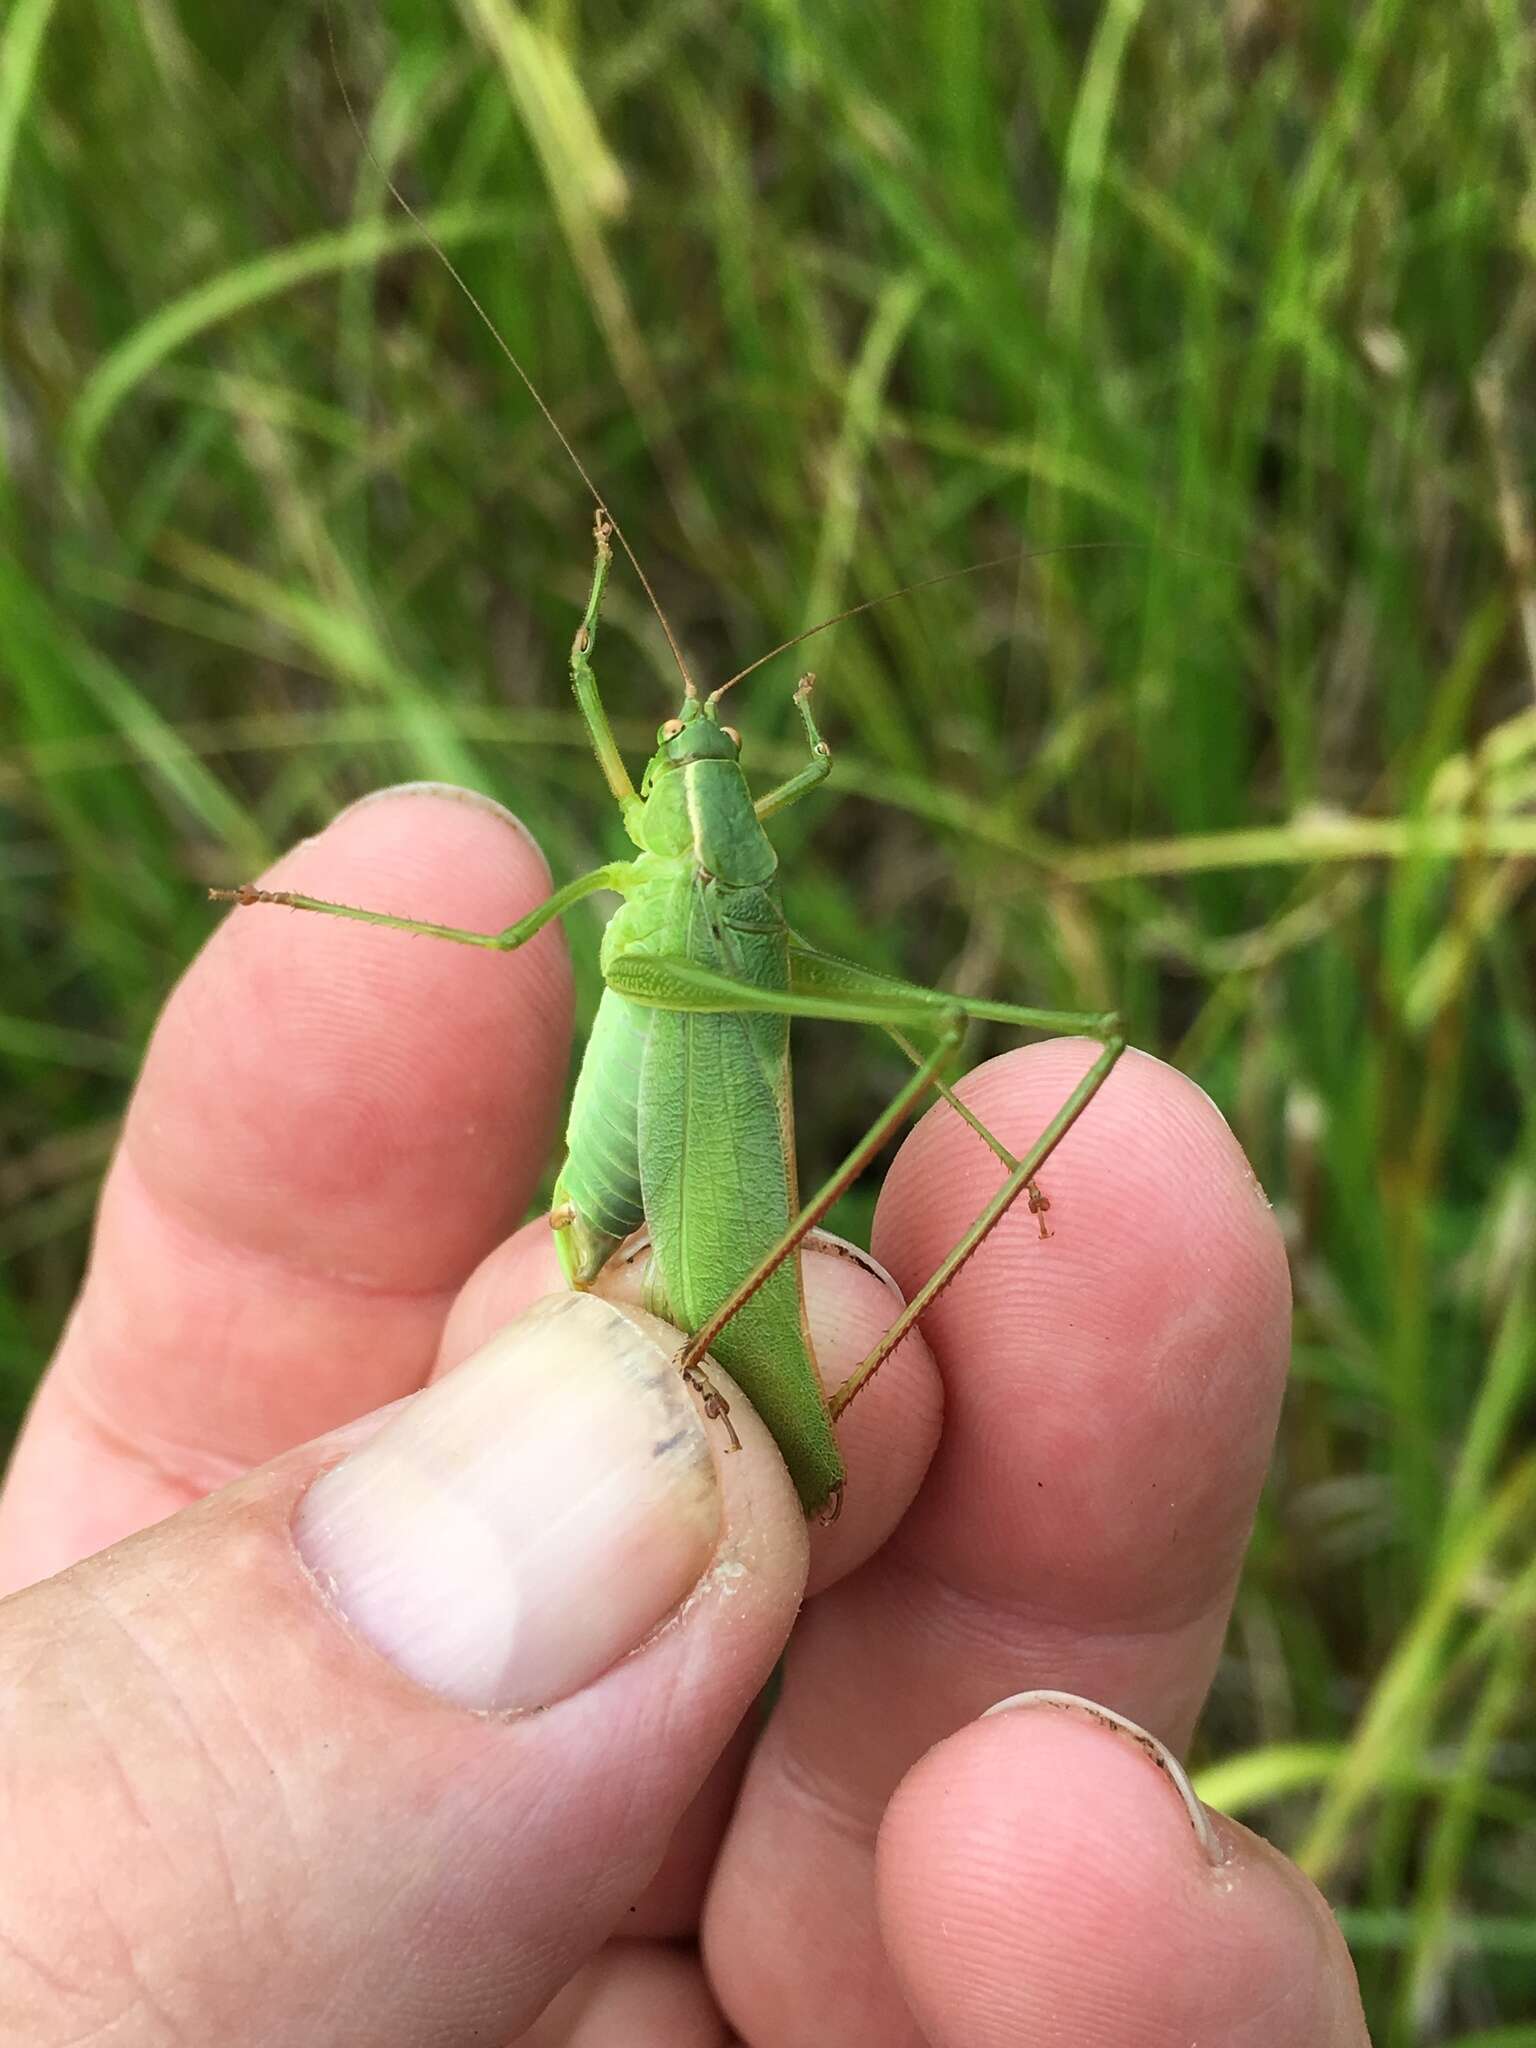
[1110, 1401]
[333, 1125]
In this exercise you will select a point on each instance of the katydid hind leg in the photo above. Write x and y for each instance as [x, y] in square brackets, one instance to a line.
[890, 1120]
[825, 972]
[716, 1407]
[1018, 1183]
[674, 982]
[813, 973]
[840, 991]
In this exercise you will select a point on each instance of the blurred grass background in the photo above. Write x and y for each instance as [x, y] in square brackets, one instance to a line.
[831, 302]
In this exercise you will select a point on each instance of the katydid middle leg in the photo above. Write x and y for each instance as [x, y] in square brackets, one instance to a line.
[614, 876]
[1038, 1200]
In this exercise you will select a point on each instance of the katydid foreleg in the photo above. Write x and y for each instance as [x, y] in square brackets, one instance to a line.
[584, 682]
[820, 765]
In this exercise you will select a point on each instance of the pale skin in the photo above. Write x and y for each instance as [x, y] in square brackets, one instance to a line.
[312, 1215]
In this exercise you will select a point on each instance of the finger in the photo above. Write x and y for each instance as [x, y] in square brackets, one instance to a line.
[636, 1993]
[1041, 1885]
[1113, 1390]
[333, 1124]
[402, 1741]
[1111, 1395]
[887, 1441]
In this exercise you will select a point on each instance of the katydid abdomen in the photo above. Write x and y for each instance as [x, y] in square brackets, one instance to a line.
[717, 1155]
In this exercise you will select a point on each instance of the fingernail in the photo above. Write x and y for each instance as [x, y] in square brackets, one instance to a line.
[529, 1519]
[828, 1245]
[451, 792]
[1158, 1753]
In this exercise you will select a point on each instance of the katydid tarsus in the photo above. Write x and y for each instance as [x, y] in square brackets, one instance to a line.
[682, 1117]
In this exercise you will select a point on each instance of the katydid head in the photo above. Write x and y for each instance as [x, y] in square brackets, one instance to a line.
[696, 734]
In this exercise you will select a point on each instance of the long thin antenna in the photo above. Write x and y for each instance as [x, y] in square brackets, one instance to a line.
[1066, 547]
[506, 348]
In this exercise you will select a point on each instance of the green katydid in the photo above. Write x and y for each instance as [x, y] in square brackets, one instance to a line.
[682, 1118]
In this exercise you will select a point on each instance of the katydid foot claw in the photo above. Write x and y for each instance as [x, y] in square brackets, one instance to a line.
[1039, 1202]
[716, 1407]
[247, 893]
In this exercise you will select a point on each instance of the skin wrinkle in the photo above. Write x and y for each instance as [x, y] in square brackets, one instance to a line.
[37, 1966]
[148, 2002]
[191, 1727]
[905, 1563]
[984, 1633]
[124, 1974]
[852, 1821]
[99, 1712]
[190, 1480]
[278, 1813]
[192, 1224]
[1294, 1993]
[188, 1468]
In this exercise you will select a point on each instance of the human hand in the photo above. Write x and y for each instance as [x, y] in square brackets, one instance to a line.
[401, 1753]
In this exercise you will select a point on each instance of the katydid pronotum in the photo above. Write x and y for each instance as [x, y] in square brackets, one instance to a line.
[682, 1118]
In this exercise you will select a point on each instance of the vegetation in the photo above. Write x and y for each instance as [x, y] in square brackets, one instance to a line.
[1245, 290]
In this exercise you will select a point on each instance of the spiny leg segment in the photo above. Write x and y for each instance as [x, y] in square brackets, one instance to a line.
[1018, 1181]
[819, 767]
[1039, 1201]
[837, 990]
[893, 1117]
[614, 876]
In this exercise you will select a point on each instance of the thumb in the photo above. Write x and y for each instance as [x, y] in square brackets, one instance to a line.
[362, 1733]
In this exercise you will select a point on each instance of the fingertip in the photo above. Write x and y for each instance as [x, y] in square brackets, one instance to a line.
[314, 1080]
[1040, 1879]
[1150, 1163]
[888, 1434]
[1112, 1388]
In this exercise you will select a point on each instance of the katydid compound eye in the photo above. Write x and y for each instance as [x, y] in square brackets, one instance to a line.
[732, 734]
[671, 729]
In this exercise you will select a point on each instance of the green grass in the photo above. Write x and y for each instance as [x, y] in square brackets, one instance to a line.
[828, 310]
